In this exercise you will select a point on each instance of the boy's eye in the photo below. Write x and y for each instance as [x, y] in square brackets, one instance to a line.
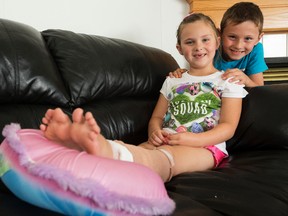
[232, 37]
[248, 38]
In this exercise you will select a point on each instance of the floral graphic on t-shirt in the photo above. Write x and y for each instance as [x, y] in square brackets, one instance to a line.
[193, 107]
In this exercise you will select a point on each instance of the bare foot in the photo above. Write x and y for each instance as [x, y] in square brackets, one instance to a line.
[85, 132]
[56, 126]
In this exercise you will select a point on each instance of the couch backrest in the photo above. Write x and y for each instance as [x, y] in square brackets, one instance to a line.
[264, 120]
[95, 67]
[24, 65]
[117, 80]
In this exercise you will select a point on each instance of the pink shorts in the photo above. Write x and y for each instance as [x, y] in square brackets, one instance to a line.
[217, 154]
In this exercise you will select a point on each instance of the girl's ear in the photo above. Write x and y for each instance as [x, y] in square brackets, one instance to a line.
[179, 49]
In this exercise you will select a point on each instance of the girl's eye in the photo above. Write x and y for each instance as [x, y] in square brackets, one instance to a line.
[206, 40]
[232, 37]
[189, 42]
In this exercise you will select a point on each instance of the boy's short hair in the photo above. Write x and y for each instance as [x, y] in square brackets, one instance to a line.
[242, 12]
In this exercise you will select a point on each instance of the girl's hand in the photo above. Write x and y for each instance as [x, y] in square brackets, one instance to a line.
[177, 73]
[236, 76]
[183, 138]
[158, 138]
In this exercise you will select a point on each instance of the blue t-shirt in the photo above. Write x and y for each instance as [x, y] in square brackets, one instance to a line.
[252, 63]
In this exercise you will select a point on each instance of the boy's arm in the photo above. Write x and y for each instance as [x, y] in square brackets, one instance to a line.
[177, 73]
[229, 118]
[256, 80]
[240, 78]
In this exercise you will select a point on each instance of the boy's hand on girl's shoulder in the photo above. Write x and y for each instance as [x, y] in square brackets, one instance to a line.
[177, 73]
[236, 76]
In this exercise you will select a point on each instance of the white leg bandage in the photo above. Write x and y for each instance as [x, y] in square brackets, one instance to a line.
[120, 152]
[168, 155]
[171, 161]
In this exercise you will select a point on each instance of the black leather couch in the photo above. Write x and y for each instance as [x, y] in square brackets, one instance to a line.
[119, 82]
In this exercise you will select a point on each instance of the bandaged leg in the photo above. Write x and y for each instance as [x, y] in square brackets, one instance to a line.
[171, 161]
[159, 160]
[120, 152]
[155, 159]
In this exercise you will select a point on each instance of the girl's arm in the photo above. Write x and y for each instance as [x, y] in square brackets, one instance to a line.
[156, 135]
[229, 118]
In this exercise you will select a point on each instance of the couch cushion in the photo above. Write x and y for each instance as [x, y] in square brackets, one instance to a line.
[123, 119]
[96, 67]
[27, 115]
[263, 124]
[27, 71]
[251, 183]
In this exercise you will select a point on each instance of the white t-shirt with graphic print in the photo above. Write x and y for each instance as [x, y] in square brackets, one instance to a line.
[195, 102]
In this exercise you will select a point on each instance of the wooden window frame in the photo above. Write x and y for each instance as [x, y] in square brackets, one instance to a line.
[275, 12]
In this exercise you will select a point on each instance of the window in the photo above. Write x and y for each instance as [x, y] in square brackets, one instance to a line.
[275, 45]
[276, 57]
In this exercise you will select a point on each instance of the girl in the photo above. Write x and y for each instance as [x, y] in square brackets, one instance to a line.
[192, 135]
[241, 54]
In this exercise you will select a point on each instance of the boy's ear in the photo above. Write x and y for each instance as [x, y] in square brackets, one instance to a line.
[260, 36]
[218, 42]
[179, 49]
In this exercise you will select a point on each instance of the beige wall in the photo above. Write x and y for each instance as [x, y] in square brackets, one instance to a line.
[149, 22]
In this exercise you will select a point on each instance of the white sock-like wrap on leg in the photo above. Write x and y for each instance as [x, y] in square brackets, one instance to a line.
[171, 161]
[120, 152]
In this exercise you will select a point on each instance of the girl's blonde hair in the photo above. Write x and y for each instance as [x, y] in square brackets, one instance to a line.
[193, 18]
